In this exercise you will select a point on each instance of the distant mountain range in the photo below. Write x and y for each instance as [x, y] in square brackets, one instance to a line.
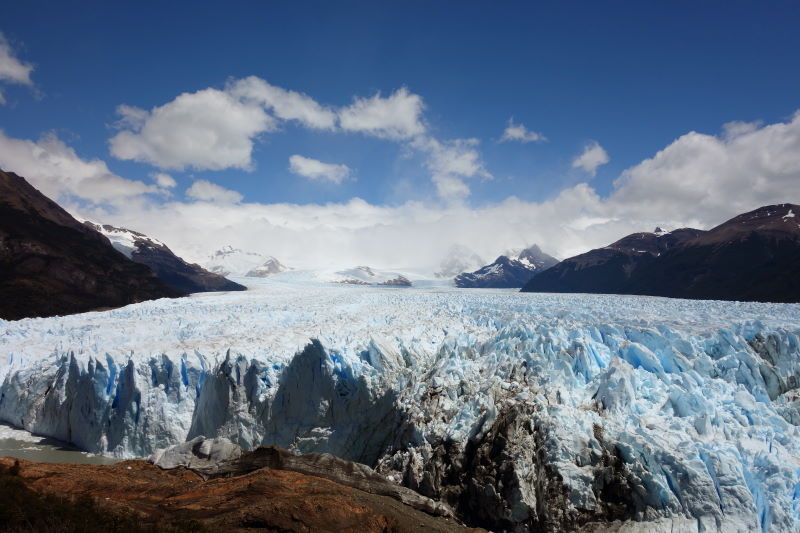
[511, 270]
[183, 277]
[364, 275]
[752, 257]
[51, 264]
[230, 261]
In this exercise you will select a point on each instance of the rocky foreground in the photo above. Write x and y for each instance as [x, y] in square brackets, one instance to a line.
[250, 499]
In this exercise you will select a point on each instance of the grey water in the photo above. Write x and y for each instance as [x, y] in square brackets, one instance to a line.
[21, 444]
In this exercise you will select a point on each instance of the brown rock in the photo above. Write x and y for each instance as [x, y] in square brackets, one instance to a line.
[262, 500]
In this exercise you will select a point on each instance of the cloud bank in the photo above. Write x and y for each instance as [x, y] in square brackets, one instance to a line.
[698, 180]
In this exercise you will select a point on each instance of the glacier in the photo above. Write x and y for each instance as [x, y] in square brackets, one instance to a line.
[521, 411]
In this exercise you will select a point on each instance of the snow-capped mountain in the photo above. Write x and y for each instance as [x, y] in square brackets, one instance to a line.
[183, 277]
[540, 412]
[270, 267]
[754, 256]
[230, 261]
[51, 264]
[364, 275]
[458, 259]
[124, 240]
[511, 270]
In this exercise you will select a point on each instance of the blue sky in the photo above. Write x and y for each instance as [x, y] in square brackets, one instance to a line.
[632, 77]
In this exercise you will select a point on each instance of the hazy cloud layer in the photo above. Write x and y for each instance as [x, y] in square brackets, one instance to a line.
[317, 170]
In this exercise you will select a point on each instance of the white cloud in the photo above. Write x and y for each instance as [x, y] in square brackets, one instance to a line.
[216, 129]
[213, 129]
[287, 105]
[397, 117]
[317, 170]
[131, 117]
[518, 132]
[593, 156]
[450, 163]
[711, 177]
[163, 180]
[211, 192]
[56, 170]
[205, 130]
[12, 70]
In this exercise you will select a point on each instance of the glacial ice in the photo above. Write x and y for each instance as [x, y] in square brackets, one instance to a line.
[697, 399]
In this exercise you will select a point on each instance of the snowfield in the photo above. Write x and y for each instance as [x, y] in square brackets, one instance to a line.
[679, 415]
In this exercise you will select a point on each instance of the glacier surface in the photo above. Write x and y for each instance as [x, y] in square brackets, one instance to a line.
[532, 410]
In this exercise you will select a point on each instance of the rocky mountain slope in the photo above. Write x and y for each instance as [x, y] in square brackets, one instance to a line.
[183, 277]
[511, 270]
[51, 264]
[753, 257]
[521, 412]
[263, 499]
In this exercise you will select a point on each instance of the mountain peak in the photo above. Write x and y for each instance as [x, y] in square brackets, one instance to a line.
[510, 270]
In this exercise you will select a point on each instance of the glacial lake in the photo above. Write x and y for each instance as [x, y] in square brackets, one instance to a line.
[20, 444]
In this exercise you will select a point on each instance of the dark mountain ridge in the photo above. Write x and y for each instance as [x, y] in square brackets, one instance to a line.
[183, 277]
[508, 271]
[754, 256]
[51, 264]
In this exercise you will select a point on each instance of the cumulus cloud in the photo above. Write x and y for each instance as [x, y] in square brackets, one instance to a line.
[216, 129]
[55, 169]
[702, 174]
[518, 132]
[593, 156]
[206, 191]
[205, 130]
[396, 117]
[286, 105]
[450, 163]
[163, 180]
[12, 70]
[317, 170]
